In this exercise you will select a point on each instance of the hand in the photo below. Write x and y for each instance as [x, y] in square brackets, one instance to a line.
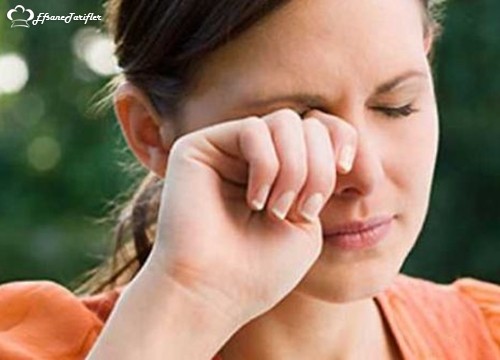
[212, 237]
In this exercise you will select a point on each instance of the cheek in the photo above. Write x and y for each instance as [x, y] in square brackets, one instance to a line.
[412, 158]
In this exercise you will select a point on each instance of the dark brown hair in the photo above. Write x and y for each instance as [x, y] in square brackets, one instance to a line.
[158, 45]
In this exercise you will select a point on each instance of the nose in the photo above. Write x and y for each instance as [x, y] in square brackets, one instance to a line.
[367, 171]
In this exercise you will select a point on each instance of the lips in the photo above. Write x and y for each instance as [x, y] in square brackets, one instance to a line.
[357, 226]
[358, 235]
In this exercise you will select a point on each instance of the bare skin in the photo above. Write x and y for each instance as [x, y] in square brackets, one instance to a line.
[273, 289]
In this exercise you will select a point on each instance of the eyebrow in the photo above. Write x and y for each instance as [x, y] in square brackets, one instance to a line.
[317, 100]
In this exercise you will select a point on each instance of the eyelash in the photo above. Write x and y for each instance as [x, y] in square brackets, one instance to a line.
[400, 112]
[403, 111]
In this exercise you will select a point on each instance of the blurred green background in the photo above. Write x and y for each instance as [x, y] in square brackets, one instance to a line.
[61, 163]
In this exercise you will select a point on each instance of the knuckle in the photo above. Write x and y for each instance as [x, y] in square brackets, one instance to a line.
[253, 131]
[182, 150]
[182, 145]
[252, 121]
[314, 121]
[268, 165]
[286, 116]
[249, 133]
[295, 172]
[335, 124]
[288, 113]
[324, 185]
[252, 124]
[315, 125]
[322, 174]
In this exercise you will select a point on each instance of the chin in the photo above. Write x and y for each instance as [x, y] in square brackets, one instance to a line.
[351, 282]
[340, 276]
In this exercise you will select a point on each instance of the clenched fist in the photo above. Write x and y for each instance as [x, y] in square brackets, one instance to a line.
[238, 223]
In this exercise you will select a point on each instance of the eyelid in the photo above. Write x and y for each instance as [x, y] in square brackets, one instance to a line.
[389, 106]
[398, 102]
[400, 95]
[398, 112]
[302, 110]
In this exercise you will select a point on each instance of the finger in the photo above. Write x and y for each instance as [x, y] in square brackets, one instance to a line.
[230, 145]
[257, 148]
[344, 137]
[286, 130]
[321, 172]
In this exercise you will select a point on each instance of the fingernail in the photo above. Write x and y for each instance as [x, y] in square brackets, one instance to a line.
[283, 204]
[346, 158]
[311, 208]
[261, 197]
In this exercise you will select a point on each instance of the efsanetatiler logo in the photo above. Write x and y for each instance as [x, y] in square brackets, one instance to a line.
[21, 17]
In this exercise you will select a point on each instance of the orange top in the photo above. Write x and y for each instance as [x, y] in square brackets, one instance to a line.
[42, 320]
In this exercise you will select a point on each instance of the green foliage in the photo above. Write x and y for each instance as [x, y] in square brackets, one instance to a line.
[462, 233]
[48, 217]
[60, 163]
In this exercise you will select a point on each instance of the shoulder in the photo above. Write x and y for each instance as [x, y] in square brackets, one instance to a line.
[465, 313]
[415, 290]
[481, 298]
[485, 297]
[42, 319]
[431, 305]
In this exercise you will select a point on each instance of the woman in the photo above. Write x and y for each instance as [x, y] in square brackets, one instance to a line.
[297, 141]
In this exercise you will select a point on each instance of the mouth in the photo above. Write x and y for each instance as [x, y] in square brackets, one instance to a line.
[358, 235]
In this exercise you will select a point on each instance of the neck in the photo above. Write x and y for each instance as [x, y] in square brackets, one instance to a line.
[303, 327]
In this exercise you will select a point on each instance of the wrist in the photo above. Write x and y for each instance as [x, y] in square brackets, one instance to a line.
[158, 318]
[208, 304]
[158, 270]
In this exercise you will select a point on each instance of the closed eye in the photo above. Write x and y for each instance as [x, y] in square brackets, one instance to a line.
[403, 111]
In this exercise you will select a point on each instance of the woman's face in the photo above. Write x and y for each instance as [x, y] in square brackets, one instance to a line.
[342, 51]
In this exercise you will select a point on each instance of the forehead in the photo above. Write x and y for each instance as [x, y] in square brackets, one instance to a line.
[311, 44]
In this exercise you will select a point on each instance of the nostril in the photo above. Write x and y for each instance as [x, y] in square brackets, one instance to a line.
[347, 192]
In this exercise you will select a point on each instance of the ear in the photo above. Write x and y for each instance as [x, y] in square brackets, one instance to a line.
[429, 42]
[148, 136]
